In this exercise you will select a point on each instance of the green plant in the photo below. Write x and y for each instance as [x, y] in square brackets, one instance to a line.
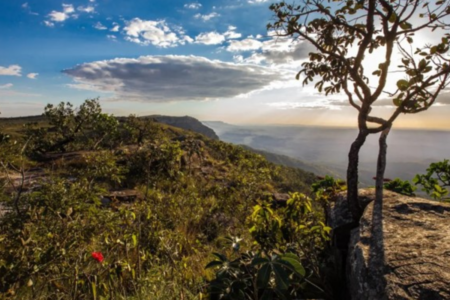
[436, 180]
[403, 187]
[256, 276]
[288, 245]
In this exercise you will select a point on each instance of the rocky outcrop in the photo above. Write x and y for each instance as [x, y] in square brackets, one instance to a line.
[400, 250]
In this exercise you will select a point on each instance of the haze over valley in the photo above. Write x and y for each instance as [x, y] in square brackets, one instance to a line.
[409, 151]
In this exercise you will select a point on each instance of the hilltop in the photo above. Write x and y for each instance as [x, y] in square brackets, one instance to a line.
[150, 200]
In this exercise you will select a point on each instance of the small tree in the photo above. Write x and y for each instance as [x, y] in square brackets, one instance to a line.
[336, 28]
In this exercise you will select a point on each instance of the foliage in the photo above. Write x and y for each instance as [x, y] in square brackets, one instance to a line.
[285, 260]
[370, 27]
[256, 276]
[436, 180]
[403, 187]
[189, 192]
[73, 129]
[327, 188]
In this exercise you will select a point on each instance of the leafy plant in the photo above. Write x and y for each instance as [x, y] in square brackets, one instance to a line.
[436, 180]
[256, 276]
[403, 187]
[288, 244]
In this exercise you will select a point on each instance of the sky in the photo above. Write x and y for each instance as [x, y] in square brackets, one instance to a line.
[212, 59]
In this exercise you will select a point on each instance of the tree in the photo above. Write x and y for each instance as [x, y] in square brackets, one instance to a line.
[86, 124]
[344, 34]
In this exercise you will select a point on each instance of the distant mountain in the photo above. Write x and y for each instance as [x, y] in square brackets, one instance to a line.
[410, 151]
[187, 123]
[287, 161]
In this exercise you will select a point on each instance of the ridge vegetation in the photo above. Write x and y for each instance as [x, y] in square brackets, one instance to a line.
[95, 207]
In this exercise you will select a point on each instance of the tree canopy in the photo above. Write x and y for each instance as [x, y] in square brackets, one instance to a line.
[346, 33]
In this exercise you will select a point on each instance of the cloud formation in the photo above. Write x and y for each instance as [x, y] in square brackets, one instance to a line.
[170, 78]
[100, 26]
[194, 5]
[244, 45]
[115, 28]
[32, 75]
[231, 33]
[157, 33]
[5, 86]
[87, 9]
[207, 17]
[276, 50]
[210, 38]
[12, 70]
[68, 11]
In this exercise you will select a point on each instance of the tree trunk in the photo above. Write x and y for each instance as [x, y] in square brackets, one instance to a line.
[352, 175]
[381, 165]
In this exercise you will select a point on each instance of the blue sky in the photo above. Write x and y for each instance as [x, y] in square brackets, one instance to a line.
[213, 60]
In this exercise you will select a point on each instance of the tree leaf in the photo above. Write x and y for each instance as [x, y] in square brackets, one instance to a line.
[263, 276]
[281, 277]
[402, 84]
[295, 262]
[213, 264]
[259, 260]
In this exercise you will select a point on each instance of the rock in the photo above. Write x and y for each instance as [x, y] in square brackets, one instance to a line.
[341, 222]
[280, 199]
[401, 249]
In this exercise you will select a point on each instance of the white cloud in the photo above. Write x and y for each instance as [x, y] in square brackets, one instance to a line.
[244, 45]
[25, 5]
[170, 78]
[157, 33]
[210, 38]
[257, 1]
[68, 11]
[87, 9]
[111, 37]
[68, 8]
[32, 75]
[194, 5]
[207, 17]
[276, 50]
[12, 70]
[115, 28]
[99, 26]
[6, 86]
[231, 33]
[49, 24]
[60, 16]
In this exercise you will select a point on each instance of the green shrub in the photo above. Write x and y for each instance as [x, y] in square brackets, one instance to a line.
[436, 180]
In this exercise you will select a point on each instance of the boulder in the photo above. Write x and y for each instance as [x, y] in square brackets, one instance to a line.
[400, 250]
[280, 199]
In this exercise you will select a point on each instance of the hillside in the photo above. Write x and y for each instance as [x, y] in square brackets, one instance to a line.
[288, 161]
[134, 208]
[187, 123]
[237, 135]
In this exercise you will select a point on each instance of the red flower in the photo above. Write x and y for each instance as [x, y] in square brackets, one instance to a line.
[98, 256]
